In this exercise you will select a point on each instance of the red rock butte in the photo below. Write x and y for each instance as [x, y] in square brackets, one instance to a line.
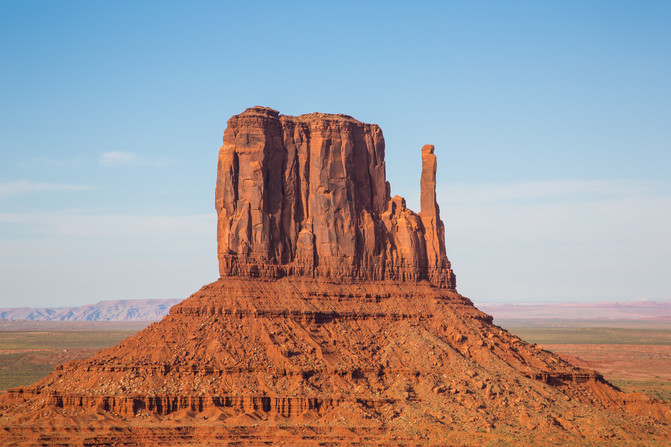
[335, 321]
[308, 196]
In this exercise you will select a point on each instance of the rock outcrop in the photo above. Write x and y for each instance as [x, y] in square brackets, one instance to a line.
[335, 322]
[308, 196]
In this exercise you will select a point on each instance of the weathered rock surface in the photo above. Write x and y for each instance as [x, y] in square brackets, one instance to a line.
[335, 322]
[307, 361]
[308, 196]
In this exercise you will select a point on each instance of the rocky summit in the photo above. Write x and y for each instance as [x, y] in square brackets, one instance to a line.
[335, 321]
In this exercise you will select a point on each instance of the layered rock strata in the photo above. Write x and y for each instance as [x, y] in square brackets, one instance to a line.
[335, 322]
[308, 196]
[310, 362]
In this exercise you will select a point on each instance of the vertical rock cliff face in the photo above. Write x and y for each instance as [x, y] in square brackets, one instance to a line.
[308, 196]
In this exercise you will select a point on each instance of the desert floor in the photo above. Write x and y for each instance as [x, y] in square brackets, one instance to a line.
[634, 355]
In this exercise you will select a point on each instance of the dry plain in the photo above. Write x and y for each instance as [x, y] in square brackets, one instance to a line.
[634, 355]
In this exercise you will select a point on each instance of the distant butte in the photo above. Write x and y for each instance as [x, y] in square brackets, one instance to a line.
[335, 321]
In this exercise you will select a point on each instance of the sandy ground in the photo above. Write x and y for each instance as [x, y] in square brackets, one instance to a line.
[644, 368]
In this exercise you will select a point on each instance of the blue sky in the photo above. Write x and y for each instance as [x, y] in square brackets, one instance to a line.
[550, 121]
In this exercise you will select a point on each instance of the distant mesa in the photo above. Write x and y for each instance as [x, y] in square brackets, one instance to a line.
[608, 311]
[117, 310]
[335, 321]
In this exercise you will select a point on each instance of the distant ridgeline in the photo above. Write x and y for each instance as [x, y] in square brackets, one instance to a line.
[117, 310]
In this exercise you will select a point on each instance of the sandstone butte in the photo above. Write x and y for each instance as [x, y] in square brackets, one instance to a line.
[335, 321]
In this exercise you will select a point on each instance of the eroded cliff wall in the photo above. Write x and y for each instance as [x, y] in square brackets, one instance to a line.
[308, 196]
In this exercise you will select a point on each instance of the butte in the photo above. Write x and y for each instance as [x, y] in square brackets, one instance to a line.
[336, 321]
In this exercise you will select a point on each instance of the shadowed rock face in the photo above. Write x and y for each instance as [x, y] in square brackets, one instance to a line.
[308, 196]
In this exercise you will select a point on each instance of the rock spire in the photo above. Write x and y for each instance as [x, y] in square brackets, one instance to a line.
[308, 196]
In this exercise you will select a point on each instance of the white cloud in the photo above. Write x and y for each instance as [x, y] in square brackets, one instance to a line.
[116, 159]
[13, 188]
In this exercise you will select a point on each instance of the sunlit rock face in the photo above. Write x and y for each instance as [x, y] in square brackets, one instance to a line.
[308, 196]
[335, 322]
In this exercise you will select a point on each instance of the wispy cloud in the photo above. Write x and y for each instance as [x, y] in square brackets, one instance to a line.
[13, 188]
[116, 159]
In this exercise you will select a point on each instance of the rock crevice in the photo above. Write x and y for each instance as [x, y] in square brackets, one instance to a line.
[308, 196]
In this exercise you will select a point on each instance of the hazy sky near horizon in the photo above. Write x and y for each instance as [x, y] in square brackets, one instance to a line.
[551, 121]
